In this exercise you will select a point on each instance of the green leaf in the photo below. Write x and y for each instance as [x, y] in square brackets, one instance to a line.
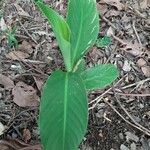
[103, 42]
[99, 76]
[83, 21]
[61, 30]
[81, 66]
[63, 112]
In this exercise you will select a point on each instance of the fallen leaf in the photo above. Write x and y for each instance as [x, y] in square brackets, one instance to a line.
[112, 13]
[135, 49]
[25, 95]
[15, 144]
[2, 128]
[17, 55]
[141, 62]
[26, 47]
[102, 8]
[145, 4]
[6, 82]
[39, 83]
[115, 3]
[21, 12]
[146, 70]
[26, 135]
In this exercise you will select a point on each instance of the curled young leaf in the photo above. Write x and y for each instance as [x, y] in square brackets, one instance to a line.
[61, 30]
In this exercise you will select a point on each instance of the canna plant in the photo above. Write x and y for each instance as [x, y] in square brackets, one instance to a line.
[63, 115]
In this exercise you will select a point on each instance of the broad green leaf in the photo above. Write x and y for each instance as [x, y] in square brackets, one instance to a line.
[99, 76]
[83, 22]
[81, 66]
[103, 42]
[63, 112]
[61, 30]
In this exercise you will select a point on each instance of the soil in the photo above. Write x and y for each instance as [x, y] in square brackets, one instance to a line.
[119, 115]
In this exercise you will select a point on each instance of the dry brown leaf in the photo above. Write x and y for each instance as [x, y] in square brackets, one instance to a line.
[6, 82]
[39, 83]
[146, 70]
[102, 8]
[145, 4]
[112, 13]
[21, 12]
[17, 55]
[26, 135]
[11, 144]
[115, 3]
[134, 49]
[26, 47]
[25, 95]
[141, 62]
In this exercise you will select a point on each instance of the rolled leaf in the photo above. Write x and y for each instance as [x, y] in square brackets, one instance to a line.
[63, 112]
[61, 30]
[100, 76]
[83, 22]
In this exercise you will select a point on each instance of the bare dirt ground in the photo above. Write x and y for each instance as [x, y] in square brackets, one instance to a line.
[119, 115]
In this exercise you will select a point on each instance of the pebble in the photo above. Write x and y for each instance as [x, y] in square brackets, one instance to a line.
[121, 136]
[123, 147]
[131, 136]
[133, 146]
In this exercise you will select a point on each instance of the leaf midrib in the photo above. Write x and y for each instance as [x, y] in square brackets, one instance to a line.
[65, 109]
[78, 39]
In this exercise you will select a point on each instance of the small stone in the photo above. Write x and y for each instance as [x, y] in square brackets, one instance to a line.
[133, 146]
[141, 62]
[131, 136]
[123, 147]
[2, 128]
[121, 136]
[141, 105]
[126, 66]
[0, 95]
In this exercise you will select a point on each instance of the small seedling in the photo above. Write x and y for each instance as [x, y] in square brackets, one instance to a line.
[103, 42]
[63, 113]
[11, 37]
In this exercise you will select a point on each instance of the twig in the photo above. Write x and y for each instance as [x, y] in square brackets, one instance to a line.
[119, 40]
[126, 112]
[27, 32]
[131, 94]
[147, 133]
[109, 23]
[135, 84]
[137, 36]
[99, 98]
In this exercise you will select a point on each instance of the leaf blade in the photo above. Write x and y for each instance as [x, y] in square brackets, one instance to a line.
[68, 115]
[61, 30]
[83, 21]
[99, 76]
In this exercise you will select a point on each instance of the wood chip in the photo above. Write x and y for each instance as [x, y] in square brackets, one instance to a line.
[146, 70]
[17, 55]
[26, 135]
